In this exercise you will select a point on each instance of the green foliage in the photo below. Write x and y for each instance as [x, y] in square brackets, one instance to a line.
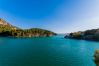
[87, 35]
[7, 29]
[90, 32]
[34, 32]
[77, 35]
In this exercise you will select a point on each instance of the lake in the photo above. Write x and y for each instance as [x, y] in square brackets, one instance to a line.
[51, 51]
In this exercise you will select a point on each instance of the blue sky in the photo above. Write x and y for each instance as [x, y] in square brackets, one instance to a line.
[60, 16]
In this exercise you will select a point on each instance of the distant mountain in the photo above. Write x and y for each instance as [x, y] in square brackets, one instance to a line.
[8, 30]
[92, 34]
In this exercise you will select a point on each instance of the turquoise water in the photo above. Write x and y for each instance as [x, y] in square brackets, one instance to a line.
[52, 51]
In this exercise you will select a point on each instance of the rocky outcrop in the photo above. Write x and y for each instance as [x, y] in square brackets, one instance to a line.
[85, 35]
[96, 57]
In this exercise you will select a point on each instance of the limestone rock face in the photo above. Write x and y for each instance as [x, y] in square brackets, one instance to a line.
[3, 22]
[96, 57]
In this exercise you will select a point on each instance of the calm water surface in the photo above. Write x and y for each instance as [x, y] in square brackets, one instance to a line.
[52, 51]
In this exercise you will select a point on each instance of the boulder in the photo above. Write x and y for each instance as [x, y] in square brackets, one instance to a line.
[96, 57]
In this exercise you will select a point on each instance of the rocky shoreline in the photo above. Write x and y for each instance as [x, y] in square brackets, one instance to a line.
[96, 57]
[34, 32]
[85, 35]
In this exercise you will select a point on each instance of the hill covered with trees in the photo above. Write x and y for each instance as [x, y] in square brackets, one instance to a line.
[8, 30]
[86, 35]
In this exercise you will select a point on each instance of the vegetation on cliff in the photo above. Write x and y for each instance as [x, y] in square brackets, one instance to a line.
[86, 35]
[7, 30]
